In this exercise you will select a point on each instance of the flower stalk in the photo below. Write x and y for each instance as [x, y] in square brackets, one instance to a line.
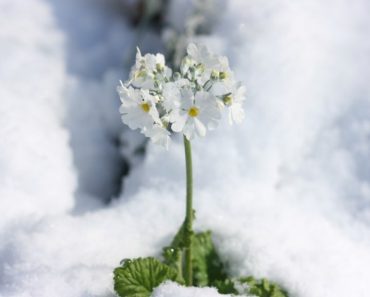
[189, 214]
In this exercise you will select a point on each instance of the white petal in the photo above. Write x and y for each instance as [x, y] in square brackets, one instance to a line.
[200, 129]
[189, 129]
[179, 123]
[153, 112]
[236, 113]
[171, 96]
[220, 88]
[187, 98]
[160, 59]
[158, 135]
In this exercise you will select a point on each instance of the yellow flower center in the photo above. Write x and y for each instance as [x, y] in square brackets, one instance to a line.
[145, 107]
[193, 111]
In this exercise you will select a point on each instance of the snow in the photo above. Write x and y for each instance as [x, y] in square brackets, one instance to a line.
[35, 159]
[287, 193]
[168, 289]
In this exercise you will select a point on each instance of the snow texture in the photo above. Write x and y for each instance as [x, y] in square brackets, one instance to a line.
[169, 289]
[287, 193]
[36, 175]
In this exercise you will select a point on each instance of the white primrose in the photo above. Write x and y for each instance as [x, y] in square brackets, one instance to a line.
[161, 102]
[196, 114]
[138, 108]
[234, 103]
[201, 55]
[199, 64]
[149, 71]
[232, 96]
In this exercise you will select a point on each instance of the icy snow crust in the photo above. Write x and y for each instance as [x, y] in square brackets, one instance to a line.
[287, 193]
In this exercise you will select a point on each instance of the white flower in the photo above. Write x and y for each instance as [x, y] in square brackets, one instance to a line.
[196, 114]
[236, 111]
[205, 67]
[138, 108]
[149, 71]
[158, 134]
[222, 70]
[231, 95]
[201, 55]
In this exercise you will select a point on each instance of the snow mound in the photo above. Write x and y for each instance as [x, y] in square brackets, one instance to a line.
[36, 171]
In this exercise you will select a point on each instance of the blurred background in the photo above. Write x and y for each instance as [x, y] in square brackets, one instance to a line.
[287, 192]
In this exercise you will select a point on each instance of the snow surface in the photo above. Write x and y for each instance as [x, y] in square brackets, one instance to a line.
[35, 159]
[287, 193]
[169, 289]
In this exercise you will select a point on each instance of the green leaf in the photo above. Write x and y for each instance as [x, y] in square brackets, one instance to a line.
[250, 286]
[208, 269]
[207, 265]
[226, 286]
[138, 277]
[262, 287]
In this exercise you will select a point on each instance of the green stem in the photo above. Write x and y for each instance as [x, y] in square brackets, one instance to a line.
[189, 214]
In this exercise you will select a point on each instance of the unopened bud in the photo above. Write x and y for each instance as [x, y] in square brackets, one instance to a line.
[215, 74]
[159, 67]
[223, 75]
[139, 74]
[227, 99]
[176, 76]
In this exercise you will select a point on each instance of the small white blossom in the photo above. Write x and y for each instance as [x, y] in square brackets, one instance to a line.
[196, 114]
[138, 108]
[222, 71]
[236, 110]
[149, 71]
[201, 55]
[232, 96]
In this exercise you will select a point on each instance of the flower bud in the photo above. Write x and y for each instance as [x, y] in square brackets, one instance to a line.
[215, 74]
[159, 67]
[227, 99]
[223, 75]
[140, 74]
[176, 76]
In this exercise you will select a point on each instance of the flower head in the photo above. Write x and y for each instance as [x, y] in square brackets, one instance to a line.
[161, 102]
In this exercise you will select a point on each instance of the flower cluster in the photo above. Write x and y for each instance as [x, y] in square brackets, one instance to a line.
[161, 102]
